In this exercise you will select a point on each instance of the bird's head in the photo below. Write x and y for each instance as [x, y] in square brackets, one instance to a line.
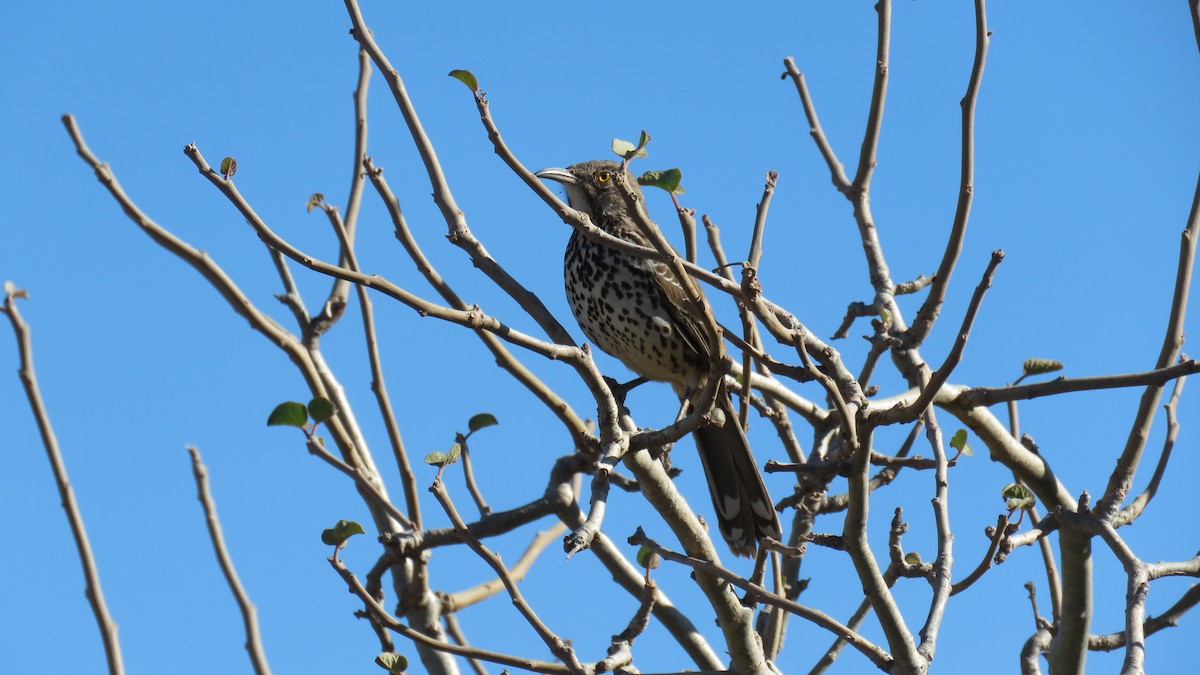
[591, 187]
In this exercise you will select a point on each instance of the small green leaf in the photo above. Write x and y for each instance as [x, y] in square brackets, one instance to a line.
[340, 532]
[437, 458]
[667, 179]
[482, 421]
[1017, 497]
[959, 442]
[623, 148]
[321, 409]
[647, 558]
[912, 558]
[392, 662]
[315, 201]
[1041, 366]
[466, 78]
[628, 150]
[288, 414]
[228, 167]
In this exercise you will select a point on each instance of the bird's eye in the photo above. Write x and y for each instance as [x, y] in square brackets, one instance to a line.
[603, 177]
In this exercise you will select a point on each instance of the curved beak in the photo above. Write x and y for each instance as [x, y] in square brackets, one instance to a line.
[561, 175]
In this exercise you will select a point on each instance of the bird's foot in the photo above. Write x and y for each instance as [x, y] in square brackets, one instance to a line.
[620, 391]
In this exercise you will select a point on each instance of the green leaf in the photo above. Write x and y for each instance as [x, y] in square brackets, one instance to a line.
[315, 201]
[482, 421]
[288, 414]
[339, 533]
[466, 78]
[391, 662]
[321, 409]
[627, 150]
[668, 180]
[1017, 497]
[912, 558]
[647, 558]
[228, 167]
[623, 148]
[1041, 366]
[437, 458]
[959, 442]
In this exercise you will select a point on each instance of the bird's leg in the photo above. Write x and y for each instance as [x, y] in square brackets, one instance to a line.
[685, 405]
[620, 391]
[715, 414]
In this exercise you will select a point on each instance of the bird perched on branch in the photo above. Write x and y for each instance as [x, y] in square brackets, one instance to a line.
[637, 310]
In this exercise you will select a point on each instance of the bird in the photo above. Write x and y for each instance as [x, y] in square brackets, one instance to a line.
[635, 309]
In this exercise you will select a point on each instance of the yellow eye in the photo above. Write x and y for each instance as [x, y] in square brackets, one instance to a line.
[603, 177]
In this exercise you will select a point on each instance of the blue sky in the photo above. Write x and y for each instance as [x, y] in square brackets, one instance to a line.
[1087, 148]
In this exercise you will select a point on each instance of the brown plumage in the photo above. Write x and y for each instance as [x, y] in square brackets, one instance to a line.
[634, 309]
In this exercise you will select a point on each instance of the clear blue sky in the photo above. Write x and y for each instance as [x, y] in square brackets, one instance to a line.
[1087, 159]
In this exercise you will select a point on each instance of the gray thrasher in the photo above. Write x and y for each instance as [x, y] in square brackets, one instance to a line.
[635, 309]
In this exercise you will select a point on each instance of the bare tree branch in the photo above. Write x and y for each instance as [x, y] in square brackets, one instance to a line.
[258, 657]
[407, 478]
[91, 574]
[478, 593]
[986, 396]
[932, 306]
[560, 648]
[1122, 476]
[504, 358]
[1134, 509]
[876, 654]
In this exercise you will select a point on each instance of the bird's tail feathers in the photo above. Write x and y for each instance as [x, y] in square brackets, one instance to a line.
[745, 512]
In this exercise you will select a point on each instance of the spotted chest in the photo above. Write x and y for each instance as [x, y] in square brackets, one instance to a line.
[618, 304]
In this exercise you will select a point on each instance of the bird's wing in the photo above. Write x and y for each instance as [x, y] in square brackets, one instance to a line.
[674, 301]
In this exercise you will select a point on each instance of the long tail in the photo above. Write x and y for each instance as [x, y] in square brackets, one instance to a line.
[744, 509]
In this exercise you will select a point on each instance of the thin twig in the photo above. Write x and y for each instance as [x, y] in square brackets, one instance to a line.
[932, 306]
[469, 476]
[504, 358]
[870, 143]
[465, 598]
[687, 223]
[998, 534]
[557, 645]
[408, 478]
[760, 221]
[456, 634]
[258, 657]
[94, 591]
[986, 396]
[361, 479]
[939, 378]
[340, 291]
[1134, 509]
[873, 652]
[424, 640]
[837, 171]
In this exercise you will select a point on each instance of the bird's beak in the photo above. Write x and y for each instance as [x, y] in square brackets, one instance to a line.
[561, 175]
